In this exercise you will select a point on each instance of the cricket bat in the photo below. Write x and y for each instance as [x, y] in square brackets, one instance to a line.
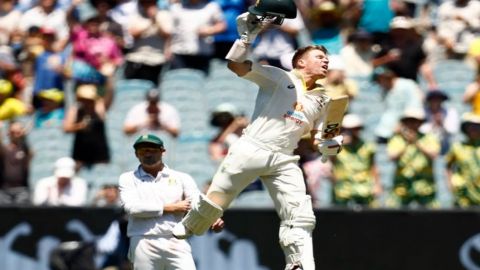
[336, 109]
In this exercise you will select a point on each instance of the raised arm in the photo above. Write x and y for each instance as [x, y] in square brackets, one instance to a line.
[248, 27]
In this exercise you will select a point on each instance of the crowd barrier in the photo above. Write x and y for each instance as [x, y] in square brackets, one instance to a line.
[343, 239]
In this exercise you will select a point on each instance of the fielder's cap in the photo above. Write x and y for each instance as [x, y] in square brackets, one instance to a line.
[336, 63]
[64, 167]
[436, 93]
[52, 94]
[351, 121]
[148, 139]
[413, 113]
[401, 22]
[87, 91]
[6, 87]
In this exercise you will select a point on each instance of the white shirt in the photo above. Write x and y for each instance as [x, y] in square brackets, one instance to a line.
[144, 196]
[274, 43]
[8, 23]
[138, 116]
[356, 63]
[284, 110]
[149, 47]
[54, 20]
[46, 192]
[462, 32]
[187, 22]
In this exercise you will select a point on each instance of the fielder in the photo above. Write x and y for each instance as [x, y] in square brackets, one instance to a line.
[155, 198]
[288, 106]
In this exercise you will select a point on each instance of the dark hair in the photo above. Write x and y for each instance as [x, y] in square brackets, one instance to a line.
[301, 51]
[111, 3]
[221, 119]
[152, 95]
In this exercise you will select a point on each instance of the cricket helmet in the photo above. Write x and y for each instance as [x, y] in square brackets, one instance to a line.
[279, 8]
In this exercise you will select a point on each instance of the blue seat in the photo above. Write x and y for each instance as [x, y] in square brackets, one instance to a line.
[219, 70]
[183, 74]
[133, 85]
[448, 70]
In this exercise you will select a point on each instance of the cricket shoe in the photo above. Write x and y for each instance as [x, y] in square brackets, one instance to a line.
[181, 232]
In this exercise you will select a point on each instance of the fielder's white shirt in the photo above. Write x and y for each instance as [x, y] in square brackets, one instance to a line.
[144, 196]
[284, 109]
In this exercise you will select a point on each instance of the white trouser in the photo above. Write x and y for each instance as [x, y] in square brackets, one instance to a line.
[245, 162]
[160, 253]
[280, 174]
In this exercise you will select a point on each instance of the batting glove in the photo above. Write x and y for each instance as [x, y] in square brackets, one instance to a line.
[248, 27]
[330, 147]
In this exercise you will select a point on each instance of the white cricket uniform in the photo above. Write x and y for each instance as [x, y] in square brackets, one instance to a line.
[284, 112]
[143, 196]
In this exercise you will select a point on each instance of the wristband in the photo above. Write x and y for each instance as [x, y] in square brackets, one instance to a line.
[238, 52]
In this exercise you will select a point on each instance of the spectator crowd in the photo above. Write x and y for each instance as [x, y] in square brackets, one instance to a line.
[395, 48]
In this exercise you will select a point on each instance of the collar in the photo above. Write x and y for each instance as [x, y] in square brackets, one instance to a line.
[317, 91]
[299, 76]
[144, 176]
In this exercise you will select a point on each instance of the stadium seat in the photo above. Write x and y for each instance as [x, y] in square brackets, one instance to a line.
[133, 85]
[183, 74]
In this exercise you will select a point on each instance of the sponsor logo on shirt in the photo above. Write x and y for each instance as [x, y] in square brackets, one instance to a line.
[297, 114]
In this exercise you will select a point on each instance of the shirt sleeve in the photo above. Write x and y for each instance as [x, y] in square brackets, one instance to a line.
[134, 116]
[169, 116]
[133, 203]
[395, 145]
[190, 189]
[40, 193]
[78, 195]
[216, 12]
[264, 76]
[431, 142]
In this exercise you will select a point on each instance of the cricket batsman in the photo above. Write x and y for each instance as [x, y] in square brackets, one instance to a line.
[289, 105]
